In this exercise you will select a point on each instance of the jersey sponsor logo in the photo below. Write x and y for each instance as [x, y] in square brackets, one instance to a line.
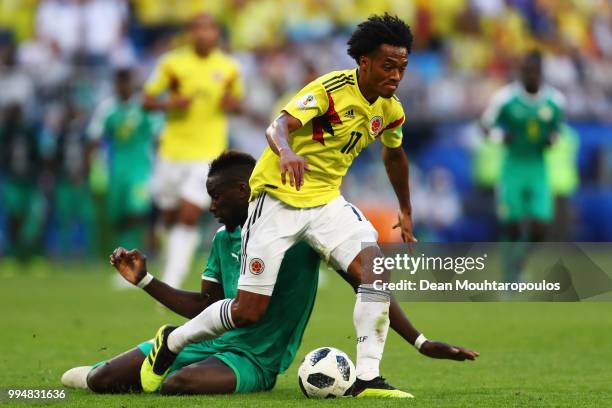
[256, 266]
[376, 124]
[349, 114]
[307, 101]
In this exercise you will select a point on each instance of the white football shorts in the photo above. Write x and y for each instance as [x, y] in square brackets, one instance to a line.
[174, 181]
[337, 230]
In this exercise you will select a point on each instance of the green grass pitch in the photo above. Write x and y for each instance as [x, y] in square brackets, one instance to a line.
[532, 354]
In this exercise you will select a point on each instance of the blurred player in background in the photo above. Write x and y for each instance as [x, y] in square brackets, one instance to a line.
[21, 163]
[129, 131]
[196, 86]
[295, 194]
[562, 163]
[527, 116]
[246, 359]
[66, 149]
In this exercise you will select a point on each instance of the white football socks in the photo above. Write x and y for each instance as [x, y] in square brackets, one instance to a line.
[211, 323]
[182, 243]
[371, 319]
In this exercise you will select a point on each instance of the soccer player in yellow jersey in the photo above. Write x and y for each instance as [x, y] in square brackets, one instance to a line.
[195, 85]
[295, 195]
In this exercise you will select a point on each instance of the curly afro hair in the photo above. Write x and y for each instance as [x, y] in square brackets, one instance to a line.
[377, 30]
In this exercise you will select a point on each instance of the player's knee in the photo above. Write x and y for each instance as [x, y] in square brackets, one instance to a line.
[101, 380]
[177, 384]
[246, 317]
[362, 269]
[246, 313]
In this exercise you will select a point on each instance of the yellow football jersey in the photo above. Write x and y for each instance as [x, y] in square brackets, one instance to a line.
[337, 123]
[200, 131]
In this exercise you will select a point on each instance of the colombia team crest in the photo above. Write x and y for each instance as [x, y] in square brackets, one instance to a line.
[256, 266]
[376, 124]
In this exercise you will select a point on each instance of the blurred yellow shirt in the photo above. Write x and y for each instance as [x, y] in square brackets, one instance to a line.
[156, 12]
[444, 13]
[200, 131]
[337, 123]
[255, 24]
[18, 16]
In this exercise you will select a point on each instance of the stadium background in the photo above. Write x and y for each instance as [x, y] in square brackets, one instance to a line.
[57, 60]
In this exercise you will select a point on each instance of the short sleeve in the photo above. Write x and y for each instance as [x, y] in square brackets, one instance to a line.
[491, 118]
[213, 266]
[160, 79]
[310, 102]
[97, 125]
[392, 135]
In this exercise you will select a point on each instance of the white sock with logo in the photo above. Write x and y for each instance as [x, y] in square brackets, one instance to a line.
[182, 243]
[211, 323]
[371, 320]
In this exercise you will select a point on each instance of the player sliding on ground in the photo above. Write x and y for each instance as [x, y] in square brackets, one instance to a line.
[311, 145]
[242, 360]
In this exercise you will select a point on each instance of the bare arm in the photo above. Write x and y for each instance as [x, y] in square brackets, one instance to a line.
[184, 303]
[229, 102]
[174, 102]
[133, 267]
[278, 132]
[290, 163]
[396, 164]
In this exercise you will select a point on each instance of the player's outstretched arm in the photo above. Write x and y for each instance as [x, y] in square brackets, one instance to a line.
[434, 349]
[400, 323]
[132, 265]
[290, 163]
[396, 164]
[438, 349]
